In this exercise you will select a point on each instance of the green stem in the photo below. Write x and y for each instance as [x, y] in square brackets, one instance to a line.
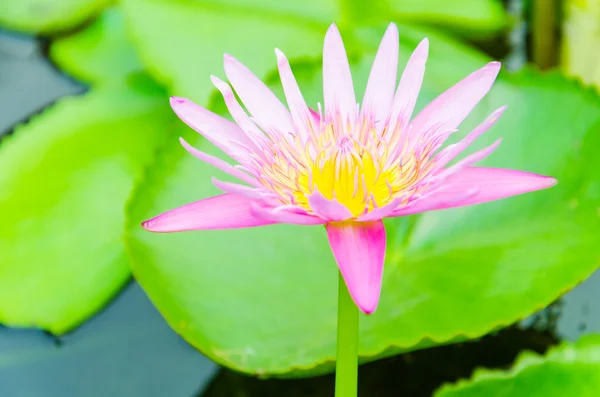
[346, 370]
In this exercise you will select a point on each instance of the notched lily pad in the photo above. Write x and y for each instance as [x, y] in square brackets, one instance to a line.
[65, 179]
[567, 370]
[99, 54]
[48, 16]
[263, 300]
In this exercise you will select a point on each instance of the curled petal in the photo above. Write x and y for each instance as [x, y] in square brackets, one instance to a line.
[227, 211]
[359, 250]
[331, 210]
[338, 90]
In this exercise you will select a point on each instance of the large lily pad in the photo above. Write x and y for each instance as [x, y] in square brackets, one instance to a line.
[99, 54]
[182, 42]
[263, 300]
[48, 16]
[465, 16]
[65, 179]
[568, 370]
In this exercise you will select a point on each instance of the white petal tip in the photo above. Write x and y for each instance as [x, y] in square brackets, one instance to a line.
[493, 66]
[549, 182]
[281, 58]
[332, 31]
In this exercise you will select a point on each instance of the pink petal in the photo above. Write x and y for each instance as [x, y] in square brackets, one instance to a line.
[382, 79]
[257, 97]
[286, 214]
[331, 210]
[338, 91]
[408, 88]
[219, 164]
[300, 112]
[359, 250]
[227, 211]
[468, 161]
[448, 110]
[435, 200]
[219, 131]
[254, 134]
[450, 152]
[485, 184]
[258, 195]
[316, 117]
[381, 212]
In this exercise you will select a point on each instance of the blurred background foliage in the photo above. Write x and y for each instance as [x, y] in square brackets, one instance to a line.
[78, 178]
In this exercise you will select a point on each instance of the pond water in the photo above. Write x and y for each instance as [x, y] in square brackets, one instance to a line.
[128, 350]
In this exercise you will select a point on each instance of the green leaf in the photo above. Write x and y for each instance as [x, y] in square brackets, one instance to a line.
[567, 370]
[99, 54]
[262, 300]
[472, 17]
[65, 179]
[182, 42]
[48, 16]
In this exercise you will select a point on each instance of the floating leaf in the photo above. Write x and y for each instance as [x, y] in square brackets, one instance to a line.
[100, 53]
[65, 179]
[567, 370]
[48, 16]
[466, 16]
[263, 300]
[182, 42]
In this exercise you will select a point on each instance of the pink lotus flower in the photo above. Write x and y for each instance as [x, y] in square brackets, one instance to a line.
[345, 167]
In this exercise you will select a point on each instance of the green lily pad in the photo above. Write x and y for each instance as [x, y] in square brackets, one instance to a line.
[567, 370]
[48, 16]
[65, 179]
[263, 300]
[465, 16]
[182, 42]
[99, 54]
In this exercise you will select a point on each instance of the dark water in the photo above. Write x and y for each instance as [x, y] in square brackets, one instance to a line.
[128, 350]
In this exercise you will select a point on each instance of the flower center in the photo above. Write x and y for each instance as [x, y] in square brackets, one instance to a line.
[350, 168]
